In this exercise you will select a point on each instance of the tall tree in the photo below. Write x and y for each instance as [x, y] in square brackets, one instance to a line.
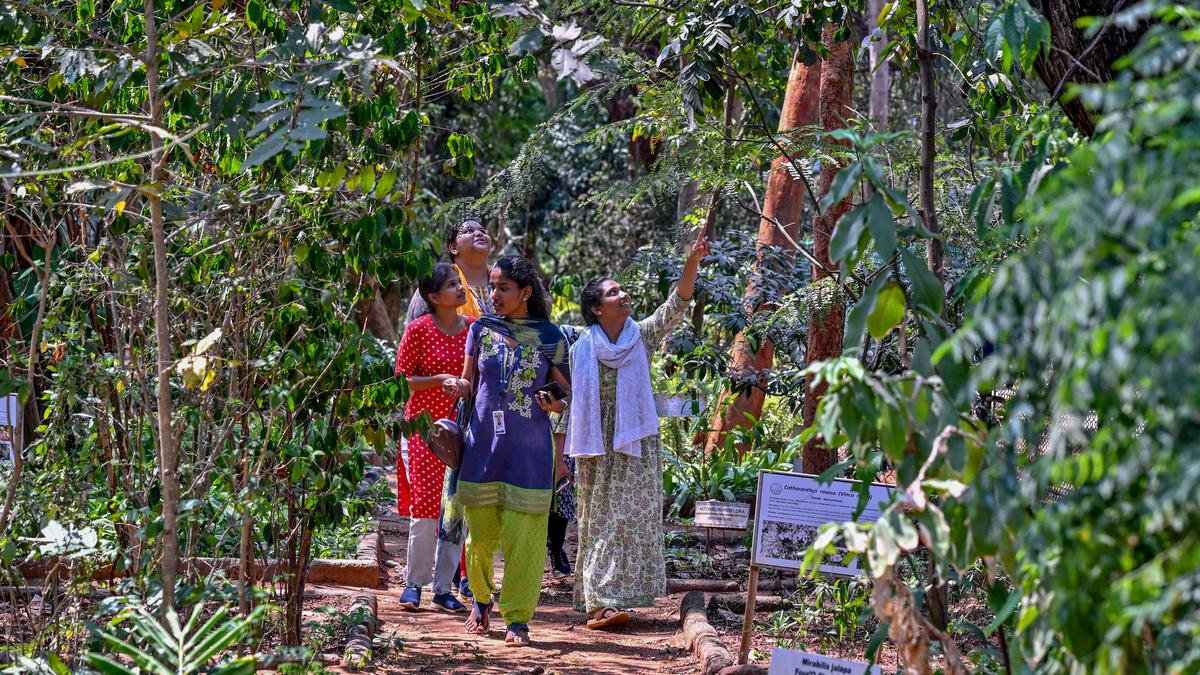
[1078, 57]
[827, 310]
[779, 227]
[933, 250]
[877, 106]
[167, 457]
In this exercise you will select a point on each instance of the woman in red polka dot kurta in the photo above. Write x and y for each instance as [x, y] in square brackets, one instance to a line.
[431, 351]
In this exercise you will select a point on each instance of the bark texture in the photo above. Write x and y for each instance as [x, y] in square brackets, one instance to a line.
[168, 456]
[933, 249]
[877, 106]
[1075, 58]
[827, 316]
[783, 205]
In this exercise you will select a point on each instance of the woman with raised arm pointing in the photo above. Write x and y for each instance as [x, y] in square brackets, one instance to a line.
[613, 436]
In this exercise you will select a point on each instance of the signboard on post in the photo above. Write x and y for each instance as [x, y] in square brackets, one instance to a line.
[722, 515]
[792, 507]
[10, 408]
[792, 662]
[789, 511]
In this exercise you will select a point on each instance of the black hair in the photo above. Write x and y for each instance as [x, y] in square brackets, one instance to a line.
[453, 232]
[521, 270]
[442, 272]
[589, 299]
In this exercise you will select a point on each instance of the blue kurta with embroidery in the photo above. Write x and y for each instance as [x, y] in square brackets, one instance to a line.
[514, 469]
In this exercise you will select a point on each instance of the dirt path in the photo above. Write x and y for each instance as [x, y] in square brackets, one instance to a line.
[434, 642]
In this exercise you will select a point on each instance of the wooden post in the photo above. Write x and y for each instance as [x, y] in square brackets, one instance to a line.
[748, 615]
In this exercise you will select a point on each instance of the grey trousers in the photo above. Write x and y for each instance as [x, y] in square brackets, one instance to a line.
[430, 559]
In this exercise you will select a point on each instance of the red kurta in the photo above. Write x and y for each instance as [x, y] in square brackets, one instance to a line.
[425, 351]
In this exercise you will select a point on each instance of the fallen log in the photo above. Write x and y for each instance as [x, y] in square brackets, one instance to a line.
[748, 669]
[701, 637]
[768, 585]
[763, 603]
[361, 573]
[704, 585]
[364, 617]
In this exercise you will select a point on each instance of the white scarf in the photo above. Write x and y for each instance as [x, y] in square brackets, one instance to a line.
[637, 417]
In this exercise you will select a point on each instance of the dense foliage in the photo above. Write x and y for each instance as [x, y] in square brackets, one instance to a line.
[272, 175]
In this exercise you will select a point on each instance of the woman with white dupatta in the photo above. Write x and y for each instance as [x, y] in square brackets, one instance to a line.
[613, 436]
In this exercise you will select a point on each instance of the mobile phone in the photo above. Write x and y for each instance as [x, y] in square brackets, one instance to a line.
[554, 389]
[563, 484]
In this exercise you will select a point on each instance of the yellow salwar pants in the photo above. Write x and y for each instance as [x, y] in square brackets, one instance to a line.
[521, 538]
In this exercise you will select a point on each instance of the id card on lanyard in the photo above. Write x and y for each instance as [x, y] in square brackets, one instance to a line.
[507, 369]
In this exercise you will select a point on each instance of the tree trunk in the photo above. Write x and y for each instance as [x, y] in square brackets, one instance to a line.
[1076, 59]
[372, 313]
[937, 599]
[641, 153]
[166, 443]
[933, 250]
[880, 76]
[826, 323]
[782, 205]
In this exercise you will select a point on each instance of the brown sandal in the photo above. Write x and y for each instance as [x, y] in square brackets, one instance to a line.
[479, 623]
[517, 636]
[606, 617]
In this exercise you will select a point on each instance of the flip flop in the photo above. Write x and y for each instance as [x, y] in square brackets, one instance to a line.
[607, 617]
[517, 636]
[479, 623]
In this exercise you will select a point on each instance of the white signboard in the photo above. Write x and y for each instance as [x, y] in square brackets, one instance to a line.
[792, 662]
[10, 408]
[724, 515]
[793, 506]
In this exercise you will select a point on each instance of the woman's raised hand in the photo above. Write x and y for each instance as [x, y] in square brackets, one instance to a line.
[687, 281]
[700, 248]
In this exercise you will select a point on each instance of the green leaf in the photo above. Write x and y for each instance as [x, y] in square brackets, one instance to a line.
[247, 665]
[842, 183]
[409, 129]
[255, 14]
[108, 666]
[85, 11]
[307, 133]
[888, 311]
[848, 233]
[385, 184]
[883, 227]
[366, 180]
[264, 151]
[927, 291]
[1029, 614]
[856, 322]
[1006, 611]
[460, 145]
[980, 204]
[342, 6]
[57, 665]
[876, 641]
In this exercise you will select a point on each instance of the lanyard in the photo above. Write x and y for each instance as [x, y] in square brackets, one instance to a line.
[506, 368]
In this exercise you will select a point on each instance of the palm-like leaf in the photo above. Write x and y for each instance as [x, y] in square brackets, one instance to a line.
[174, 649]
